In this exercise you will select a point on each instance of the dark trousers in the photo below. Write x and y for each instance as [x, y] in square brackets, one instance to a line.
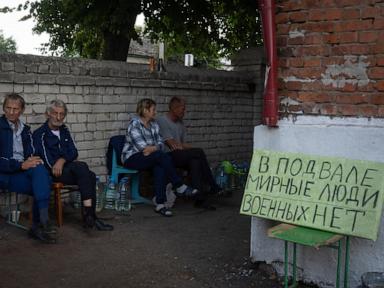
[163, 169]
[35, 182]
[78, 173]
[195, 162]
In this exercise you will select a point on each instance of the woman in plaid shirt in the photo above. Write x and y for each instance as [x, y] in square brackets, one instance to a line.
[144, 149]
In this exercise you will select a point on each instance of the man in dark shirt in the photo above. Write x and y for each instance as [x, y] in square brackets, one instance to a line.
[59, 153]
[184, 155]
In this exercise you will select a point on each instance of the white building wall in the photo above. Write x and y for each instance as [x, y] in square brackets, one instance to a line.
[353, 138]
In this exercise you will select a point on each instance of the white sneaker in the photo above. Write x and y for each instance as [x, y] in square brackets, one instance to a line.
[185, 190]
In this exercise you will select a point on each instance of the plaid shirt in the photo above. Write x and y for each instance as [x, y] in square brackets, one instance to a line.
[138, 137]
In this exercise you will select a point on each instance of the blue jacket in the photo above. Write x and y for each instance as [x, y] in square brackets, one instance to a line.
[8, 165]
[50, 148]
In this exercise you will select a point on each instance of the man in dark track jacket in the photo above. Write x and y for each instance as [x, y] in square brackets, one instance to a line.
[56, 147]
[21, 171]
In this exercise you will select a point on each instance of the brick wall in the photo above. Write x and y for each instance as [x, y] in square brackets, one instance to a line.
[331, 57]
[102, 95]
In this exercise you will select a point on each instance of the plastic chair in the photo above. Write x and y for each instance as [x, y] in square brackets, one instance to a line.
[115, 147]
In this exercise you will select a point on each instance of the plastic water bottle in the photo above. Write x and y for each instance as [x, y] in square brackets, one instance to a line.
[221, 177]
[244, 167]
[76, 199]
[123, 196]
[99, 195]
[110, 195]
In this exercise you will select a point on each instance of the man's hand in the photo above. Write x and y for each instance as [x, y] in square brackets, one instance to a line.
[57, 169]
[186, 146]
[149, 150]
[174, 145]
[31, 162]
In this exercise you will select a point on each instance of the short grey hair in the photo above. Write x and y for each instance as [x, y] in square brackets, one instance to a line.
[175, 101]
[57, 103]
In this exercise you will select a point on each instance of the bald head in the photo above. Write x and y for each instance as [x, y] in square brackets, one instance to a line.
[176, 108]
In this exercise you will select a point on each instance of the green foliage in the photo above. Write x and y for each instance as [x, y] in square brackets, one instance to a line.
[7, 44]
[89, 28]
[102, 29]
[208, 29]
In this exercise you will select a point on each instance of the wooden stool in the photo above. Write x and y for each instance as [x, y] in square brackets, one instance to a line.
[59, 189]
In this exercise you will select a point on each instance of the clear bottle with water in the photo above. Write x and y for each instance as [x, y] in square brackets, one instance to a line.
[99, 195]
[221, 178]
[244, 167]
[76, 199]
[123, 196]
[110, 194]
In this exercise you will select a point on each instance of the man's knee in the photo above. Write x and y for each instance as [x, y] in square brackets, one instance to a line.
[80, 165]
[84, 171]
[39, 171]
[79, 168]
[197, 152]
[161, 156]
[42, 188]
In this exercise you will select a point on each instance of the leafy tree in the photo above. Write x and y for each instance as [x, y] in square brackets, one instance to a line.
[7, 44]
[104, 28]
[89, 28]
[207, 29]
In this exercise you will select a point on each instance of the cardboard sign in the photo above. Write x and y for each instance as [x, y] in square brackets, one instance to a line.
[333, 194]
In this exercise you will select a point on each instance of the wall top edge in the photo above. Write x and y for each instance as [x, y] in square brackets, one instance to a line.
[124, 67]
[311, 120]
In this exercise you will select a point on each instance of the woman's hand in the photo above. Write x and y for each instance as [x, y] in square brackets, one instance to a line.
[149, 150]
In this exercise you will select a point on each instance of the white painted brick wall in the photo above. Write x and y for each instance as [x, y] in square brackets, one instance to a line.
[102, 96]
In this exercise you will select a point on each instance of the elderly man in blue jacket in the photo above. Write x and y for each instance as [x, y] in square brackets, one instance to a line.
[58, 151]
[21, 171]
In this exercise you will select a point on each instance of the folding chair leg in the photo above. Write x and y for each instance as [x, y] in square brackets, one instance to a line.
[136, 197]
[338, 268]
[285, 264]
[346, 267]
[294, 272]
[13, 219]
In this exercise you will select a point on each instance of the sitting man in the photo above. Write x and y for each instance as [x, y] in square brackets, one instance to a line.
[183, 155]
[21, 171]
[56, 147]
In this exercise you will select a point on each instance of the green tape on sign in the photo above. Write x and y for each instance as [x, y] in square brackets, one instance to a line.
[333, 194]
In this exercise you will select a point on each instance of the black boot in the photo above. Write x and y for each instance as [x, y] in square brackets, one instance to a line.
[101, 226]
[92, 222]
[44, 233]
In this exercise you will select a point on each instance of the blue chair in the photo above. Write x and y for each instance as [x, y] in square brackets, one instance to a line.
[115, 168]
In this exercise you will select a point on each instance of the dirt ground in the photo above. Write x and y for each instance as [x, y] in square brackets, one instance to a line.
[193, 249]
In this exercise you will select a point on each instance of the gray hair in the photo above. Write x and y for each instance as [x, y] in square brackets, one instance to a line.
[57, 103]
